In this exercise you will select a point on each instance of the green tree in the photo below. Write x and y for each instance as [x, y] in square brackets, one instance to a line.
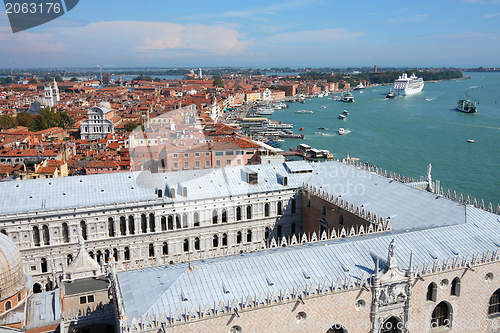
[24, 119]
[130, 126]
[65, 120]
[218, 82]
[33, 81]
[73, 79]
[7, 121]
[58, 78]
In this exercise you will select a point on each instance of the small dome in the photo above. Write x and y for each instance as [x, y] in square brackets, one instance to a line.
[12, 278]
[105, 105]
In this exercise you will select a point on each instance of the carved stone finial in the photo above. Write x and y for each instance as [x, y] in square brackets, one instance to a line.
[391, 260]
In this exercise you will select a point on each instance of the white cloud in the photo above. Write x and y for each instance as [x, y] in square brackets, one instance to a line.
[490, 15]
[315, 36]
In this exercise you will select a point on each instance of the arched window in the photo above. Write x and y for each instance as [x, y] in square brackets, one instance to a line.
[432, 292]
[131, 225]
[163, 223]
[83, 228]
[44, 265]
[111, 227]
[249, 212]
[494, 306]
[37, 288]
[196, 219]
[3, 231]
[392, 325]
[266, 233]
[238, 237]
[123, 226]
[115, 254]
[294, 205]
[106, 255]
[45, 235]
[196, 243]
[151, 250]
[151, 222]
[165, 249]
[91, 254]
[69, 259]
[215, 241]
[98, 255]
[185, 220]
[8, 305]
[323, 210]
[186, 245]
[126, 254]
[224, 239]
[238, 213]
[65, 232]
[441, 316]
[144, 223]
[455, 287]
[170, 222]
[249, 236]
[178, 222]
[280, 208]
[215, 217]
[160, 192]
[337, 328]
[266, 209]
[224, 216]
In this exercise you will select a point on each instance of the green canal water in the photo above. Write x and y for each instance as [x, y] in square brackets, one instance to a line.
[407, 133]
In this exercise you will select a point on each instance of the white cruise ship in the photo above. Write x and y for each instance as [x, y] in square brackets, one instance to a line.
[405, 85]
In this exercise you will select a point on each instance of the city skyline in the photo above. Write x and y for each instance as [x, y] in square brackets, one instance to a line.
[261, 34]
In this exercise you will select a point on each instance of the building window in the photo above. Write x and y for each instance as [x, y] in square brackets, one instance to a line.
[238, 213]
[163, 223]
[186, 245]
[249, 212]
[178, 222]
[151, 250]
[215, 217]
[186, 155]
[266, 209]
[196, 219]
[432, 292]
[207, 164]
[186, 165]
[308, 203]
[86, 299]
[323, 210]
[196, 243]
[455, 287]
[294, 206]
[341, 219]
[217, 164]
[196, 154]
[185, 220]
[219, 153]
[8, 305]
[441, 316]
[126, 254]
[111, 227]
[174, 155]
[123, 226]
[224, 216]
[43, 263]
[494, 306]
[164, 248]
[131, 225]
[249, 236]
[215, 241]
[176, 165]
[207, 154]
[266, 233]
[238, 237]
[280, 208]
[152, 222]
[143, 223]
[197, 164]
[65, 232]
[224, 239]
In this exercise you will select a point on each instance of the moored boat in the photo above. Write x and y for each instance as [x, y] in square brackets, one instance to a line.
[347, 97]
[345, 112]
[341, 116]
[341, 131]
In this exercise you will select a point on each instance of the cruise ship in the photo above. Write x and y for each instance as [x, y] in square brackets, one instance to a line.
[405, 85]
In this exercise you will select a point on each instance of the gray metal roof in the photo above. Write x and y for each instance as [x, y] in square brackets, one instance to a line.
[407, 207]
[86, 285]
[44, 309]
[209, 281]
[107, 189]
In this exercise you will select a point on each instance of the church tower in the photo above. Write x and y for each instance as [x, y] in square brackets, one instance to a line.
[48, 95]
[55, 93]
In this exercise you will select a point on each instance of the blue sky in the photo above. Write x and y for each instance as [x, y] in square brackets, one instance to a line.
[295, 33]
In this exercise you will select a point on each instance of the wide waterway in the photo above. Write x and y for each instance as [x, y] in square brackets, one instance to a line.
[407, 133]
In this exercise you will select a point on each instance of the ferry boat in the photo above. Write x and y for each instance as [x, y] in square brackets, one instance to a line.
[405, 85]
[467, 106]
[263, 111]
[390, 94]
[303, 111]
[347, 96]
[341, 116]
[345, 112]
[341, 131]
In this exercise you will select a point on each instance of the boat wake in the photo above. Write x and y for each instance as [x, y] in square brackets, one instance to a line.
[473, 87]
[428, 99]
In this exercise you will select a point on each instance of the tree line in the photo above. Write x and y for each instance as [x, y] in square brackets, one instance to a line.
[46, 118]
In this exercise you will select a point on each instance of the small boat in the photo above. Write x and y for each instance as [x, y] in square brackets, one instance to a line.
[291, 136]
[467, 106]
[327, 154]
[303, 111]
[346, 112]
[390, 94]
[347, 97]
[470, 141]
[428, 99]
[341, 116]
[341, 131]
[301, 129]
[361, 91]
[323, 107]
